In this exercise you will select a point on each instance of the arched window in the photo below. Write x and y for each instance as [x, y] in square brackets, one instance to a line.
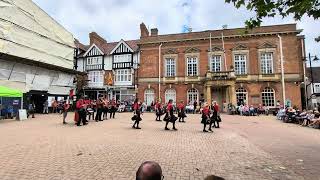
[149, 96]
[267, 96]
[242, 95]
[193, 95]
[170, 94]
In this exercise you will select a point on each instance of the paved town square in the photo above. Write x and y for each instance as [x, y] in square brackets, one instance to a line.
[44, 148]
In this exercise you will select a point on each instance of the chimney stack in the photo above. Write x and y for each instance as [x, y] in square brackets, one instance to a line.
[154, 32]
[143, 30]
[96, 39]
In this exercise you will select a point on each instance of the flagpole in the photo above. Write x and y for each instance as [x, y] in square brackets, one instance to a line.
[224, 52]
[210, 43]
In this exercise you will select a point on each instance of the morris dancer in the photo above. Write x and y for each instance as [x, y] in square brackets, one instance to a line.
[215, 115]
[181, 112]
[205, 117]
[170, 116]
[137, 112]
[158, 110]
[81, 109]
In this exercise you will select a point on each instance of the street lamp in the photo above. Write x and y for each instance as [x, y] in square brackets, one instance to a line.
[315, 58]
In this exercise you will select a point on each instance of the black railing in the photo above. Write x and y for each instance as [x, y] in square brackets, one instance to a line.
[122, 65]
[94, 67]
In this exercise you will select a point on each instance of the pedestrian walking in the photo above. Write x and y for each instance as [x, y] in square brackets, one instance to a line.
[54, 106]
[46, 107]
[195, 104]
[31, 109]
[66, 106]
[170, 117]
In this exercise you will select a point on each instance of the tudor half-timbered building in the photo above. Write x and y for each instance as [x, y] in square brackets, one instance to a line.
[110, 68]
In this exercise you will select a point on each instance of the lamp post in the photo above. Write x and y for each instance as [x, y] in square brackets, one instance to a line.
[315, 58]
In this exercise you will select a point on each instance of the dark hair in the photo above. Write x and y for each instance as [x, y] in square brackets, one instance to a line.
[170, 101]
[136, 100]
[149, 170]
[213, 177]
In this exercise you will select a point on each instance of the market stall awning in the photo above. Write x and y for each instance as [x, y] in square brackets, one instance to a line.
[8, 92]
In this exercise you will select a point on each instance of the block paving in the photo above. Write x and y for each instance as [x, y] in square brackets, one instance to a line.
[43, 148]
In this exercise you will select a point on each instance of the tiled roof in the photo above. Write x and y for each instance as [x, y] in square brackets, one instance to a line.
[81, 46]
[106, 48]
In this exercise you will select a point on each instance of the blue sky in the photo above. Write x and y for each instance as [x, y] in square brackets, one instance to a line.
[120, 19]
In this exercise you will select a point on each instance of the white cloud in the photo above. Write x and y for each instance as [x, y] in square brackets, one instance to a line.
[120, 19]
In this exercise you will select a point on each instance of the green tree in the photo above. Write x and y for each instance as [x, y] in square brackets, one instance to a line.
[270, 8]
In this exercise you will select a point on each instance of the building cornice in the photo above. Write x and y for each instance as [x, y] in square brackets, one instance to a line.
[219, 37]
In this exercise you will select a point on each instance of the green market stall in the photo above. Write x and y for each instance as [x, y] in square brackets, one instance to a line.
[8, 92]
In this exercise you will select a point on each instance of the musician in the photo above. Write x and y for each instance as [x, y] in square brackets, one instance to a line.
[181, 111]
[81, 109]
[205, 117]
[99, 109]
[105, 108]
[137, 114]
[170, 116]
[158, 110]
[89, 109]
[113, 108]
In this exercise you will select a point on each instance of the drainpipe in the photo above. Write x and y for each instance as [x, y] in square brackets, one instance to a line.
[159, 70]
[282, 72]
[304, 58]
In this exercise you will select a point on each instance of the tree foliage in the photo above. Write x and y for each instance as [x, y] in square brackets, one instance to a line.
[270, 8]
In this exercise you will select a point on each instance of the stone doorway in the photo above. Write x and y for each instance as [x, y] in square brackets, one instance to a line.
[219, 94]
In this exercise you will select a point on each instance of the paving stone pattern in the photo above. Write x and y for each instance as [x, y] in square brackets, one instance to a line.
[43, 148]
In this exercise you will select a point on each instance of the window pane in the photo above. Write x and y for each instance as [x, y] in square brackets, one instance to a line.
[240, 64]
[266, 60]
[268, 97]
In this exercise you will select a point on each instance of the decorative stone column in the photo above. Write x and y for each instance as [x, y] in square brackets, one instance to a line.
[208, 94]
[232, 94]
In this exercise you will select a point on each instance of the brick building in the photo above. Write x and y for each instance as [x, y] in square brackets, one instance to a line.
[228, 65]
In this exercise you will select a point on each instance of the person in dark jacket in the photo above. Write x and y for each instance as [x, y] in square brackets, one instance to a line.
[170, 117]
[195, 107]
[181, 112]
